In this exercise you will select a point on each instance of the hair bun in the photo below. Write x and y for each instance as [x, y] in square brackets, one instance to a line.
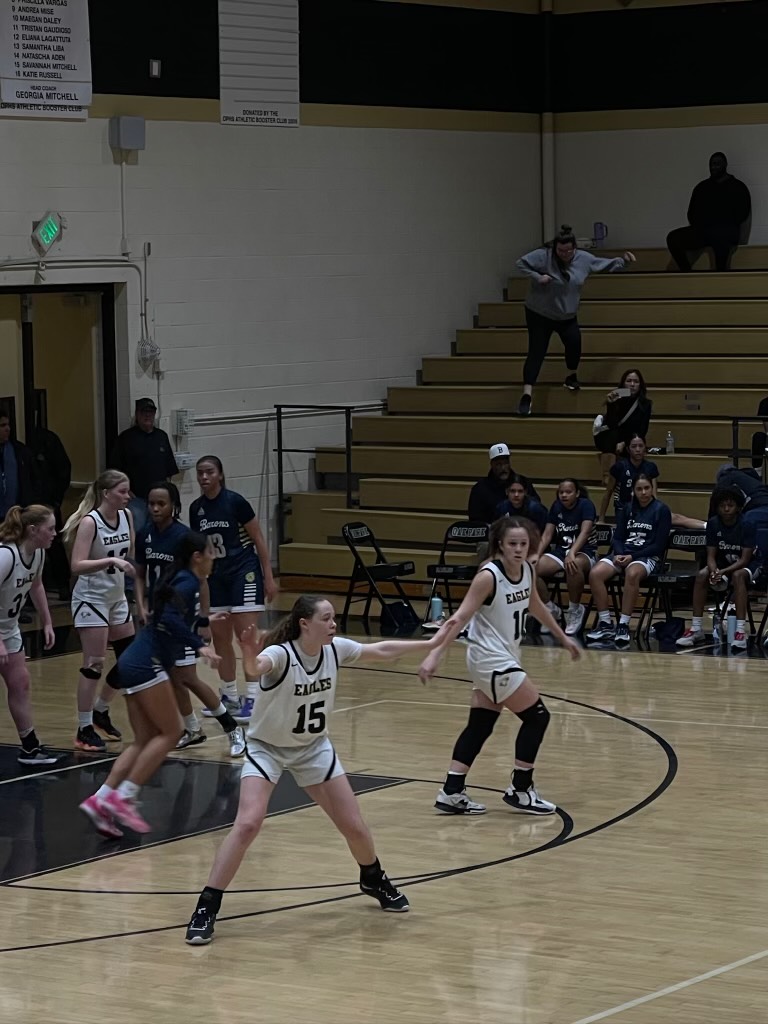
[566, 229]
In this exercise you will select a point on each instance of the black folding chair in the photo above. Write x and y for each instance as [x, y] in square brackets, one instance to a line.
[367, 576]
[670, 574]
[458, 537]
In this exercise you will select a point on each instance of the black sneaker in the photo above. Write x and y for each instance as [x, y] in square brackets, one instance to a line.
[602, 632]
[621, 637]
[37, 757]
[200, 928]
[572, 382]
[524, 406]
[388, 896]
[103, 723]
[88, 739]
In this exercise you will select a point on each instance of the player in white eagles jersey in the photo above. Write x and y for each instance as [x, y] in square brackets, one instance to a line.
[495, 610]
[101, 533]
[25, 535]
[289, 731]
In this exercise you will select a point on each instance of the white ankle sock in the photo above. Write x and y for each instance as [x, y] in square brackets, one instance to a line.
[624, 619]
[605, 617]
[696, 622]
[128, 790]
[229, 690]
[252, 689]
[100, 705]
[191, 723]
[103, 792]
[84, 719]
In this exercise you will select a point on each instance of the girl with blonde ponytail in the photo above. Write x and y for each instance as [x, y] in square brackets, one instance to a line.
[101, 534]
[25, 535]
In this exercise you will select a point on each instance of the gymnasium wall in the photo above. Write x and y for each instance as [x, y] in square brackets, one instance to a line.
[659, 87]
[310, 265]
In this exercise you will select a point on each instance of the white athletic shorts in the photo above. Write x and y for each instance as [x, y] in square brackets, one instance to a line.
[310, 765]
[561, 562]
[13, 643]
[94, 613]
[649, 564]
[497, 676]
[190, 658]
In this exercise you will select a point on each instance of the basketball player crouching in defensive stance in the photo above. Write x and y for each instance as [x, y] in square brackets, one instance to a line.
[288, 732]
[494, 611]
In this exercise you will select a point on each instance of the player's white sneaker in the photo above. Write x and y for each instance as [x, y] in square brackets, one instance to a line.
[457, 803]
[527, 801]
[236, 742]
[574, 620]
[691, 638]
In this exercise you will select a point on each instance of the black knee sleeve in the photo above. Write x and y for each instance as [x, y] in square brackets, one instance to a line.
[476, 732]
[118, 646]
[535, 720]
[91, 673]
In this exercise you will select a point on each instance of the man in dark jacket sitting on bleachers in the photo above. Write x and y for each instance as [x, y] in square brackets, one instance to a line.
[487, 493]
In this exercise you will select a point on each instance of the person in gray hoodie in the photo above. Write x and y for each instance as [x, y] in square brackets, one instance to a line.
[557, 272]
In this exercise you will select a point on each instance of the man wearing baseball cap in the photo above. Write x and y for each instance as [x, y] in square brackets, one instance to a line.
[144, 453]
[488, 492]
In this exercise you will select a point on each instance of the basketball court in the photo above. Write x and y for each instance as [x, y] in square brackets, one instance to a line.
[643, 900]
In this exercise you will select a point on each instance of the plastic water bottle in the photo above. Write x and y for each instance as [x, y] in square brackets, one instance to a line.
[731, 629]
[670, 443]
[435, 609]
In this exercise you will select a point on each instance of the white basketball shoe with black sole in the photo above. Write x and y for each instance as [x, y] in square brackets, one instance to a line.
[458, 803]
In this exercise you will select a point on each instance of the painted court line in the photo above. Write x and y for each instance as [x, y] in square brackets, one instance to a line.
[673, 988]
[356, 707]
[55, 771]
[583, 714]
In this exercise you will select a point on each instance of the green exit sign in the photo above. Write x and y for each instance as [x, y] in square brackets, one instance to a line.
[46, 231]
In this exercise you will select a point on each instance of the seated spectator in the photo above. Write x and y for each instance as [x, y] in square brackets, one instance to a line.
[519, 503]
[488, 492]
[627, 412]
[731, 558]
[569, 525]
[623, 474]
[639, 542]
[760, 437]
[717, 215]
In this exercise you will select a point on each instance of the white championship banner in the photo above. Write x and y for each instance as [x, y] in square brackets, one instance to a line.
[259, 62]
[45, 58]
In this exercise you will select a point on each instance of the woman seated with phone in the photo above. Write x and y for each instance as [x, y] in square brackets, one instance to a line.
[627, 412]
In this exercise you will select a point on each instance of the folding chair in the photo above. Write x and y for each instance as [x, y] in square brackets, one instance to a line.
[370, 574]
[458, 537]
[670, 574]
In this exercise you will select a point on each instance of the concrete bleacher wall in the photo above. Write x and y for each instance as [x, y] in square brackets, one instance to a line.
[639, 181]
[311, 265]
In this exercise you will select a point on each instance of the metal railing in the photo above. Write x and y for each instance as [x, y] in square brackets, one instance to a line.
[314, 410]
[736, 451]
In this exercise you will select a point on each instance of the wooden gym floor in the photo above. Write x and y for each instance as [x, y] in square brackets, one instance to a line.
[644, 901]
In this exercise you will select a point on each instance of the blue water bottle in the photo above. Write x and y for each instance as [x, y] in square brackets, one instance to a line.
[435, 609]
